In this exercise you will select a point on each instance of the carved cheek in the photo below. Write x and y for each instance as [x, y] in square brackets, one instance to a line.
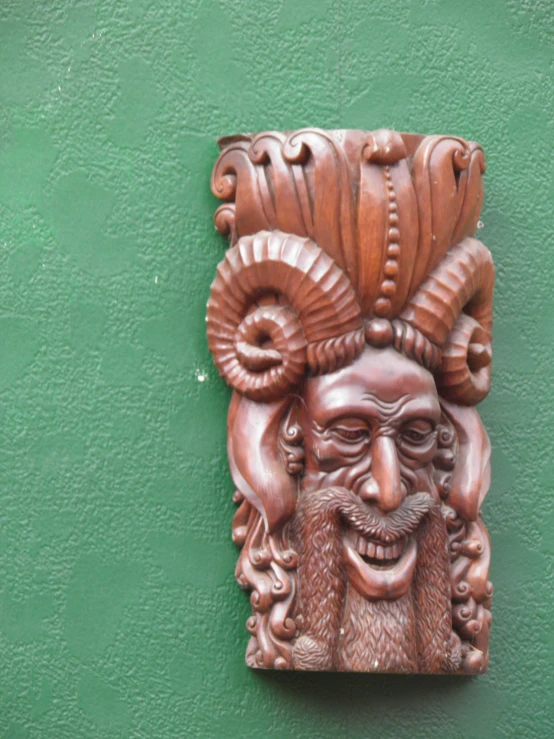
[327, 455]
[417, 456]
[349, 476]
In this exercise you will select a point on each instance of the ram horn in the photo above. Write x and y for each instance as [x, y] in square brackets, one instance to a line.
[453, 309]
[278, 306]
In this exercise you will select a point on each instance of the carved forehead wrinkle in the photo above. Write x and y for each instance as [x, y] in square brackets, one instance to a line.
[382, 373]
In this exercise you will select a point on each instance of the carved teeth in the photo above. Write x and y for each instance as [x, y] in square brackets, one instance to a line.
[377, 551]
[377, 583]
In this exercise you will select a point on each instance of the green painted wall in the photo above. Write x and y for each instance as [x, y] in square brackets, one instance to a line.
[119, 616]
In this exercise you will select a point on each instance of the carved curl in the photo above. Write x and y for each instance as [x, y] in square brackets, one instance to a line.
[465, 372]
[266, 567]
[263, 350]
[471, 588]
[463, 281]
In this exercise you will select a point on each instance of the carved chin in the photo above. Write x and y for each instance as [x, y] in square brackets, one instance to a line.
[386, 574]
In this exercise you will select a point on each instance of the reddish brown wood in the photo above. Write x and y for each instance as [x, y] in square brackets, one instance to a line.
[352, 315]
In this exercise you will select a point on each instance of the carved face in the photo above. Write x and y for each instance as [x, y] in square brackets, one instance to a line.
[372, 428]
[358, 491]
[371, 539]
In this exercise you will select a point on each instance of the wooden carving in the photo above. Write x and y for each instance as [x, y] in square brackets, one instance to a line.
[352, 316]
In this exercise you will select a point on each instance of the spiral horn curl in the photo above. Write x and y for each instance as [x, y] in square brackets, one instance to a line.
[453, 309]
[263, 350]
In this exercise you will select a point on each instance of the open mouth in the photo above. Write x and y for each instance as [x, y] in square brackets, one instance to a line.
[378, 555]
[380, 571]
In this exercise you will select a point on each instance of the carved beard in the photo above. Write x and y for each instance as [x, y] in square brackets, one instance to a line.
[340, 628]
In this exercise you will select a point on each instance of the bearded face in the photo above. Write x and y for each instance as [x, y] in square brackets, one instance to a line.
[368, 517]
[352, 316]
[372, 429]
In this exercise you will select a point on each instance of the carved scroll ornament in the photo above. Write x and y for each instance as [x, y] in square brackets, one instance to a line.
[352, 317]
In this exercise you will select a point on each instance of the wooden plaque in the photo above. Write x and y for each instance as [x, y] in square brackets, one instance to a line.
[352, 316]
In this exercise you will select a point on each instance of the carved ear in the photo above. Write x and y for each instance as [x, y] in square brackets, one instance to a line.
[472, 474]
[291, 442]
[255, 459]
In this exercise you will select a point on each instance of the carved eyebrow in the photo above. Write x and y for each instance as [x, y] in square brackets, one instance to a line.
[337, 422]
[384, 408]
[416, 408]
[380, 410]
[421, 410]
[384, 403]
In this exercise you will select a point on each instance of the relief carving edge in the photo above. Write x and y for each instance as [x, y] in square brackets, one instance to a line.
[352, 316]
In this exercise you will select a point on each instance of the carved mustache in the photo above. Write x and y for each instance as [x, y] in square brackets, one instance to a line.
[366, 521]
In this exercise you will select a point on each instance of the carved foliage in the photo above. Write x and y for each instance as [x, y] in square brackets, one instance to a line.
[381, 212]
[349, 191]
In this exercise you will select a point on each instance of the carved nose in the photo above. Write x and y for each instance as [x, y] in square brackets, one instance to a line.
[384, 488]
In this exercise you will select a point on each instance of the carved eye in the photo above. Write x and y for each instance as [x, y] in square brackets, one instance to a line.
[417, 435]
[351, 435]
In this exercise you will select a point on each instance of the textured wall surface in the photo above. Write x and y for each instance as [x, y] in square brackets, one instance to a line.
[119, 615]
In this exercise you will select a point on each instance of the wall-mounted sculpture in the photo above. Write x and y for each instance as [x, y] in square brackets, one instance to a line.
[352, 316]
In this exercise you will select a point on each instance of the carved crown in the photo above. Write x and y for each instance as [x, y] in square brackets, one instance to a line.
[345, 237]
